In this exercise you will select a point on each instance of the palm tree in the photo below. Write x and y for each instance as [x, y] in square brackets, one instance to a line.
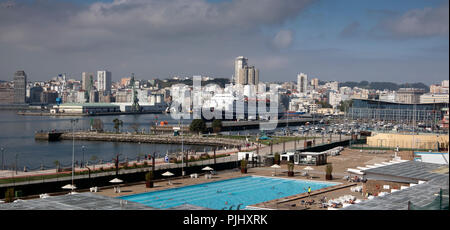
[56, 165]
[117, 124]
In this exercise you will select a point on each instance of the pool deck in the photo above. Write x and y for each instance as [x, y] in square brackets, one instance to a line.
[341, 185]
[347, 159]
[275, 204]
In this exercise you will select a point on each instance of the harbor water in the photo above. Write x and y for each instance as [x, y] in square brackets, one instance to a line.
[17, 139]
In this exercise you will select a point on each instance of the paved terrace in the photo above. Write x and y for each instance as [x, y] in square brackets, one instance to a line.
[81, 201]
[348, 158]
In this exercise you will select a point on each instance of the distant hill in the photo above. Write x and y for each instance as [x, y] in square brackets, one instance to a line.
[383, 85]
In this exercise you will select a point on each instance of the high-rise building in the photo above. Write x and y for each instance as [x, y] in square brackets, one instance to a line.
[256, 76]
[6, 94]
[104, 81]
[302, 83]
[20, 84]
[252, 75]
[87, 81]
[239, 64]
[244, 74]
[315, 83]
[36, 94]
[49, 97]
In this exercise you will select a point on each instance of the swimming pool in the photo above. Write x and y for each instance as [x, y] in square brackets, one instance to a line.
[226, 194]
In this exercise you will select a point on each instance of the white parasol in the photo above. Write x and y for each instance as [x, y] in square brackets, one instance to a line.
[168, 174]
[116, 180]
[69, 186]
[275, 166]
[308, 169]
[207, 168]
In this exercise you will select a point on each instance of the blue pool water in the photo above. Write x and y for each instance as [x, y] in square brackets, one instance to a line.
[224, 194]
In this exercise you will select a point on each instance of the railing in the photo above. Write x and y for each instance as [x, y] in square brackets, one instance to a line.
[65, 176]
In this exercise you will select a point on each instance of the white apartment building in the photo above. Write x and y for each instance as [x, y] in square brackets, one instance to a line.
[243, 73]
[104, 81]
[302, 83]
[434, 98]
[388, 96]
[334, 99]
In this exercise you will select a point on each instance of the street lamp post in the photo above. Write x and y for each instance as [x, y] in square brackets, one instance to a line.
[83, 148]
[16, 162]
[3, 163]
[182, 147]
[73, 121]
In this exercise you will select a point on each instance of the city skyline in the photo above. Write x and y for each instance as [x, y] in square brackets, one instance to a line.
[361, 41]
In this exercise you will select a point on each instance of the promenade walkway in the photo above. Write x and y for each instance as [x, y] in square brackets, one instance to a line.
[264, 150]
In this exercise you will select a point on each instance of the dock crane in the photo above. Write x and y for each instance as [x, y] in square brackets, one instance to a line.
[135, 107]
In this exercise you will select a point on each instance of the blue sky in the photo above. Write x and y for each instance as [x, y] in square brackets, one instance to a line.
[345, 40]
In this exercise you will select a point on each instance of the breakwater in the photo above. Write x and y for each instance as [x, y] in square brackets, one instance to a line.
[142, 138]
[47, 113]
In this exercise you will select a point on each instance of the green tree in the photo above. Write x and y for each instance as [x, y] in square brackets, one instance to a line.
[324, 104]
[117, 124]
[216, 126]
[345, 105]
[56, 165]
[198, 126]
[9, 195]
[329, 171]
[276, 158]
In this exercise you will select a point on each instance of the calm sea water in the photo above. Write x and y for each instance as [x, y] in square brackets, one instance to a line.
[17, 137]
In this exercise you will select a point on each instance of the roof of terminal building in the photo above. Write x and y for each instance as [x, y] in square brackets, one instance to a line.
[421, 194]
[398, 103]
[410, 169]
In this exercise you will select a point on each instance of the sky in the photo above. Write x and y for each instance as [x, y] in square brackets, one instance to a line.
[348, 40]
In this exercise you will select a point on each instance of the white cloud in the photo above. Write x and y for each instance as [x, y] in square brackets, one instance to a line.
[151, 36]
[427, 22]
[283, 39]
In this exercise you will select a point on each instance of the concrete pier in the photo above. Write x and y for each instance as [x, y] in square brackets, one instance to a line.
[143, 138]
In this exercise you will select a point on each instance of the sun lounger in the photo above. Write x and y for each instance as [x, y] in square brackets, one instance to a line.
[43, 196]
[382, 193]
[345, 205]
[194, 175]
